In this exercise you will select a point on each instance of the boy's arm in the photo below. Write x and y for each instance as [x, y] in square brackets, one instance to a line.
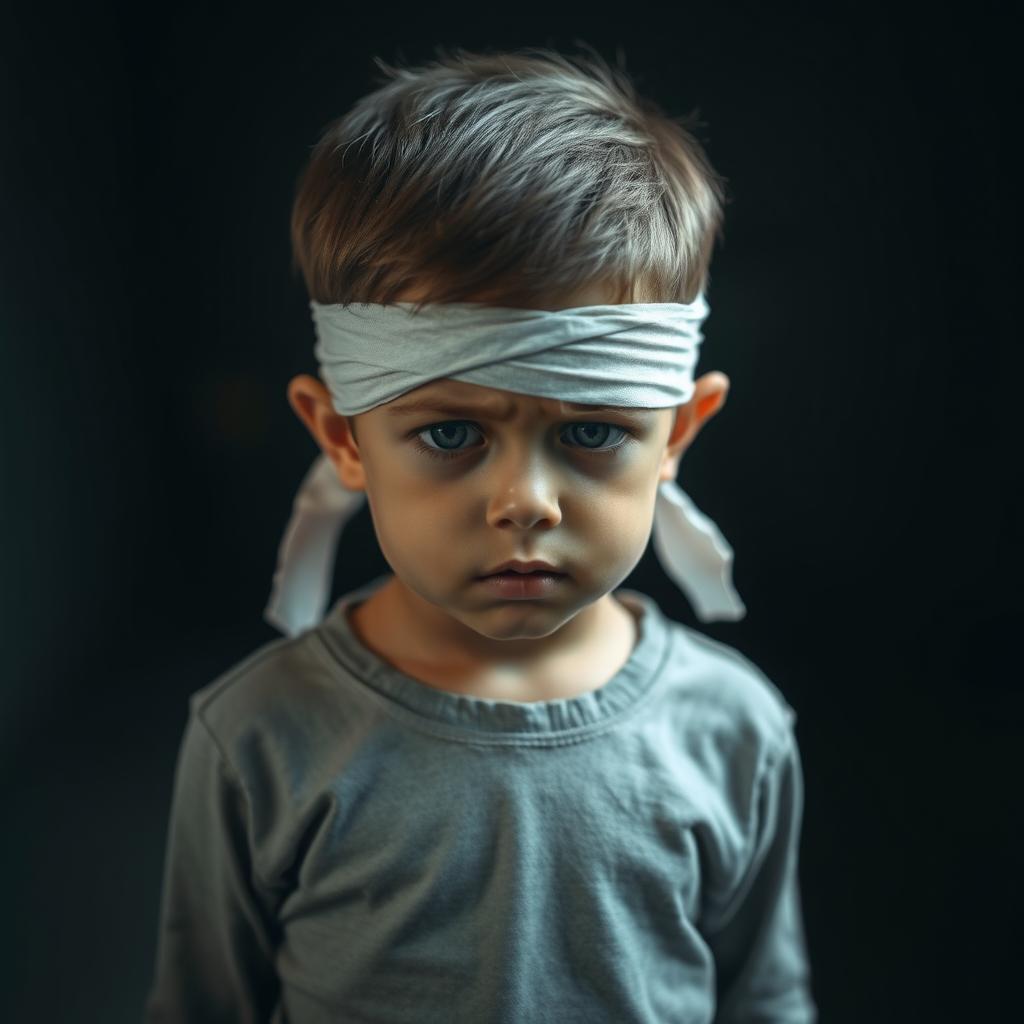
[762, 967]
[215, 948]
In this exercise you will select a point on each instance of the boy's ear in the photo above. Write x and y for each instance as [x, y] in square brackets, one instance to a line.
[708, 397]
[331, 431]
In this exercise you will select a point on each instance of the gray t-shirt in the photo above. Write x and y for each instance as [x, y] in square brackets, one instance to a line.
[347, 844]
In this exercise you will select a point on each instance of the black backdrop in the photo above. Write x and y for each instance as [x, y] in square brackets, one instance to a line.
[865, 467]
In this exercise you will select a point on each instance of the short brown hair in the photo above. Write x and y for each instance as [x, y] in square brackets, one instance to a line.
[506, 175]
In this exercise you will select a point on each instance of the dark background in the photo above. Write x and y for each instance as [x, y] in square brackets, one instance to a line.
[866, 467]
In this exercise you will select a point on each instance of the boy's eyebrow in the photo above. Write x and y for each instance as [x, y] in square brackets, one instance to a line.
[449, 407]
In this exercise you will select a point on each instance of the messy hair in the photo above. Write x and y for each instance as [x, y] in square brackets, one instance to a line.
[506, 177]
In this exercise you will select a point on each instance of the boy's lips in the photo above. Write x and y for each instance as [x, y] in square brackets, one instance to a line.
[522, 586]
[515, 565]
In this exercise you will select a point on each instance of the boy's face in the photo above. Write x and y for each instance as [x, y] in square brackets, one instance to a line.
[476, 476]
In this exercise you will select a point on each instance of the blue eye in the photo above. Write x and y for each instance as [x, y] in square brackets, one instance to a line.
[454, 431]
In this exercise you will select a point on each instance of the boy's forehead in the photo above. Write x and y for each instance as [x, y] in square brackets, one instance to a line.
[446, 394]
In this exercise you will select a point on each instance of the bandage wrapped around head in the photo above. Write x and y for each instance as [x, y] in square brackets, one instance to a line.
[639, 355]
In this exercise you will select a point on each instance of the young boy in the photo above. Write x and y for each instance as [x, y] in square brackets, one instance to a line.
[473, 791]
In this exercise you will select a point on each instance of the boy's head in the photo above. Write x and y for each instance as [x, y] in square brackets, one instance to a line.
[524, 180]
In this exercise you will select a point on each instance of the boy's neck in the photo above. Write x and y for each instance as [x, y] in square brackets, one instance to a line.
[579, 658]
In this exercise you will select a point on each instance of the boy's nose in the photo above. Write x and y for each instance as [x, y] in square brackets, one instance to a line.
[525, 490]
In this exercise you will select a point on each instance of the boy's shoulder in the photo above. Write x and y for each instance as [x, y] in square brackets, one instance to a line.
[285, 690]
[719, 691]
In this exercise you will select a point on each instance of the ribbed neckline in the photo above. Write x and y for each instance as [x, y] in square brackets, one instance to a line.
[455, 714]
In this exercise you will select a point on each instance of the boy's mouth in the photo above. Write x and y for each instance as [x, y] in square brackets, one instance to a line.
[510, 585]
[518, 568]
[514, 573]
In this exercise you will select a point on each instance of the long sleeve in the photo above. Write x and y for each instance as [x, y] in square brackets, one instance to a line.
[762, 968]
[215, 945]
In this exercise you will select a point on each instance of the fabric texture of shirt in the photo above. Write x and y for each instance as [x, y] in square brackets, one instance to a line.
[348, 844]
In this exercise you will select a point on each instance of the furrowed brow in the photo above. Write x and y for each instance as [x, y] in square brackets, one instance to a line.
[446, 406]
[450, 408]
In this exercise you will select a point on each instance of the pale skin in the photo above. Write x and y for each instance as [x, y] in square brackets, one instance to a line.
[525, 483]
